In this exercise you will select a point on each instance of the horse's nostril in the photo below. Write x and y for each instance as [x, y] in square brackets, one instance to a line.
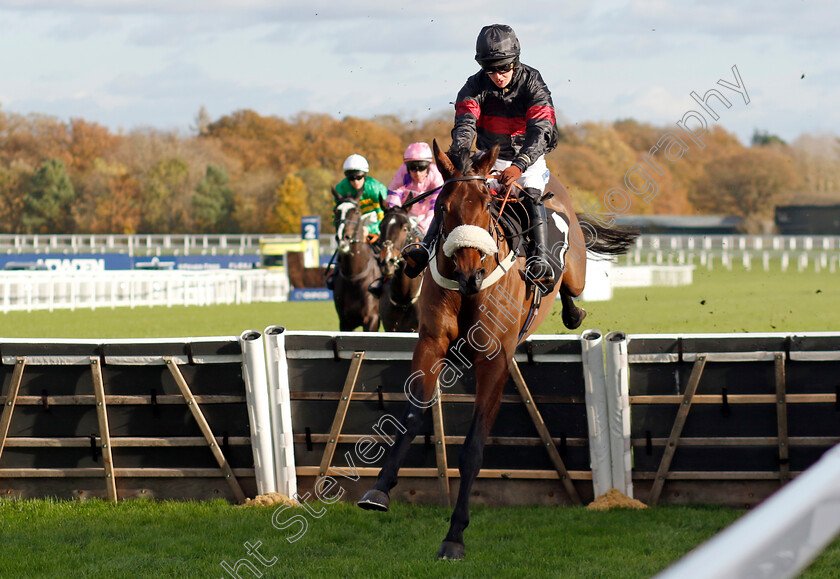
[479, 274]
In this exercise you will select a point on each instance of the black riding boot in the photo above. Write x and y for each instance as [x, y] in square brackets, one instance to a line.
[538, 269]
[417, 256]
[375, 287]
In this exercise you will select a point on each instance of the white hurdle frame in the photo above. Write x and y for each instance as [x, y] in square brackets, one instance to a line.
[257, 399]
[281, 410]
[597, 417]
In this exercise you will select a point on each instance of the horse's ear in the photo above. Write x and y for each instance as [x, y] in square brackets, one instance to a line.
[485, 163]
[383, 204]
[444, 165]
[335, 195]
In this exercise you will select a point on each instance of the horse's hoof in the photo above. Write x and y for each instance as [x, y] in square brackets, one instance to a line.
[451, 551]
[375, 500]
[573, 322]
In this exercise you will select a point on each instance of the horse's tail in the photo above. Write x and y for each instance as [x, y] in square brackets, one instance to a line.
[606, 240]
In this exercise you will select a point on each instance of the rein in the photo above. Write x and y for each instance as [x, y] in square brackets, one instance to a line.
[425, 194]
[411, 301]
[420, 196]
[358, 276]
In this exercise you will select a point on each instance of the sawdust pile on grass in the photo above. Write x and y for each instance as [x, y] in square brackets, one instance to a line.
[270, 499]
[615, 499]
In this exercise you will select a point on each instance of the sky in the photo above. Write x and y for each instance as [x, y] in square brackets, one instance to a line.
[130, 64]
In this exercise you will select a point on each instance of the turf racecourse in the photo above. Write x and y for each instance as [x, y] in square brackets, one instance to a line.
[143, 539]
[718, 301]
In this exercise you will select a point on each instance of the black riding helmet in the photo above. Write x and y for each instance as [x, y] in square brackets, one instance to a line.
[496, 44]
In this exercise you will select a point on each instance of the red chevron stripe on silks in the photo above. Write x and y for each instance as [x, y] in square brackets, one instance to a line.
[540, 112]
[502, 125]
[470, 107]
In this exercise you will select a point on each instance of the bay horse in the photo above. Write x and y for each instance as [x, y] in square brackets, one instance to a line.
[400, 293]
[356, 269]
[476, 308]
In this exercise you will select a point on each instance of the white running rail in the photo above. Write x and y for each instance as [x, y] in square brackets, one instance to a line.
[47, 290]
[780, 537]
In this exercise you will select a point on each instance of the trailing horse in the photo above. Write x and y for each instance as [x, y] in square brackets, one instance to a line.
[475, 303]
[398, 302]
[356, 268]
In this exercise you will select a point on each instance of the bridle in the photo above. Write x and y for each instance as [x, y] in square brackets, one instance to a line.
[345, 243]
[495, 233]
[389, 254]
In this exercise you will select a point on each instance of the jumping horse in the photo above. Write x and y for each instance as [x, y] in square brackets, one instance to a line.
[476, 307]
[400, 293]
[357, 267]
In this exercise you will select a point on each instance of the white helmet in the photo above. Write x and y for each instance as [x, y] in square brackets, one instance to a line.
[355, 163]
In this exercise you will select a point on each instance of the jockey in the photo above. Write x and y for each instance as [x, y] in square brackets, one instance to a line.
[417, 174]
[373, 193]
[505, 103]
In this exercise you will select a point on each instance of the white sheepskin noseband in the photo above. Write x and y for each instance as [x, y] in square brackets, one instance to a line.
[469, 236]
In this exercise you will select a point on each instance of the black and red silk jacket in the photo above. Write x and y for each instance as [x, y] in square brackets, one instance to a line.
[519, 117]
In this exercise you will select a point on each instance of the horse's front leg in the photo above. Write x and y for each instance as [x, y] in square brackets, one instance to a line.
[490, 378]
[421, 389]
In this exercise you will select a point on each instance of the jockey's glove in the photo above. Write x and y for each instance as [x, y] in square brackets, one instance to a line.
[510, 175]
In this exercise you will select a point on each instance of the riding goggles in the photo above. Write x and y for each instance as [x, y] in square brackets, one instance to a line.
[417, 165]
[354, 175]
[491, 67]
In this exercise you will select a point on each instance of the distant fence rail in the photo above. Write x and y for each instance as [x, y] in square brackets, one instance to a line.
[187, 244]
[141, 245]
[46, 290]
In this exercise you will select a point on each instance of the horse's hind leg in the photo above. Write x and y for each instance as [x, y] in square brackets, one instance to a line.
[490, 376]
[574, 277]
[572, 314]
[423, 388]
[574, 274]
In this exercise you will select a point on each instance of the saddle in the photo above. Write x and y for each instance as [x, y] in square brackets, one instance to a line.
[514, 223]
[516, 226]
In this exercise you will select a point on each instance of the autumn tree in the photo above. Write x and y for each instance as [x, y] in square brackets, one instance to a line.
[289, 206]
[48, 202]
[817, 161]
[161, 185]
[318, 182]
[255, 197]
[765, 139]
[747, 184]
[87, 142]
[201, 121]
[213, 203]
[13, 184]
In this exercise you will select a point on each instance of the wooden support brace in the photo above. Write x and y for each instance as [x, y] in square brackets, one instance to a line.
[545, 436]
[11, 398]
[341, 412]
[192, 404]
[104, 432]
[676, 430]
[440, 450]
[781, 418]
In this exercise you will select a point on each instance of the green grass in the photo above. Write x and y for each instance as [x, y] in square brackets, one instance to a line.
[169, 539]
[718, 301]
[144, 539]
